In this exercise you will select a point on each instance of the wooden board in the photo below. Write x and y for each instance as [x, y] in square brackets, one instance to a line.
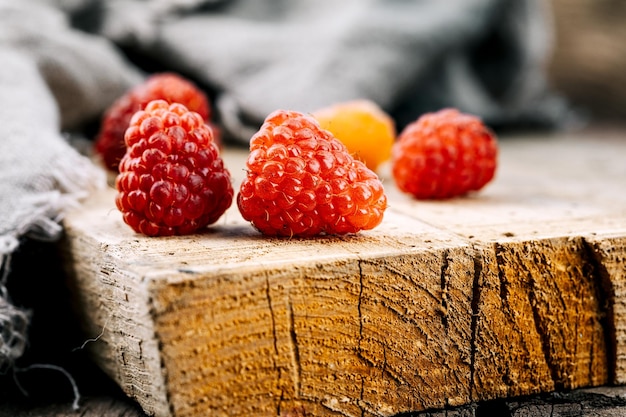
[515, 290]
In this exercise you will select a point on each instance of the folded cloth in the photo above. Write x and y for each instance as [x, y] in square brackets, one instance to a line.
[486, 57]
[50, 76]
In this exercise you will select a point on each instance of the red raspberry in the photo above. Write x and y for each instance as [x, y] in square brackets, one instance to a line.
[172, 180]
[444, 154]
[301, 181]
[165, 86]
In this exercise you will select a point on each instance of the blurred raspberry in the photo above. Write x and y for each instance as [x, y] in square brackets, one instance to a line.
[165, 86]
[444, 154]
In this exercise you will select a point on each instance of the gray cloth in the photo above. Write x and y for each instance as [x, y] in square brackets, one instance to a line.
[50, 76]
[61, 65]
[486, 57]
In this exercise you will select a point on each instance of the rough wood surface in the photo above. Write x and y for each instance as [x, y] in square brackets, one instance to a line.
[512, 291]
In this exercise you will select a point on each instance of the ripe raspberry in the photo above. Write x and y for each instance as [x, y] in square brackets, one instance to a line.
[165, 86]
[172, 180]
[366, 130]
[444, 154]
[301, 181]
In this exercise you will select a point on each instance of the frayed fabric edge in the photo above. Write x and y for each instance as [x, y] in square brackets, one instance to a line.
[75, 181]
[14, 322]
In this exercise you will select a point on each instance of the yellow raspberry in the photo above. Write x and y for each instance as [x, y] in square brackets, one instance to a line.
[363, 127]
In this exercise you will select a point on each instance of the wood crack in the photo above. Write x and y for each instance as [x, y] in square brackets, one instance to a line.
[358, 307]
[268, 296]
[605, 295]
[360, 402]
[280, 402]
[272, 316]
[504, 287]
[444, 287]
[384, 367]
[359, 348]
[295, 351]
[475, 305]
[543, 334]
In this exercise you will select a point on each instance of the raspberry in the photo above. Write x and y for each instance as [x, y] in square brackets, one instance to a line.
[301, 181]
[444, 154]
[172, 180]
[366, 130]
[170, 87]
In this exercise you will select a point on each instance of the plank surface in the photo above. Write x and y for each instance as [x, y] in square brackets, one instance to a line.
[515, 290]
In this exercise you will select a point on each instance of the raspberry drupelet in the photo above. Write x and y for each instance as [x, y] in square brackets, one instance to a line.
[444, 154]
[301, 181]
[172, 180]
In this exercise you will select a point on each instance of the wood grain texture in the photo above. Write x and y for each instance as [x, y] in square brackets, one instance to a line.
[608, 256]
[540, 317]
[511, 291]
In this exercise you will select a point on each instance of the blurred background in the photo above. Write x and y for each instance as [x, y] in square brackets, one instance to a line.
[588, 63]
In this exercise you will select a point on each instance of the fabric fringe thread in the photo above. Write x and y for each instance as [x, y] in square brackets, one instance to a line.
[73, 182]
[13, 322]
